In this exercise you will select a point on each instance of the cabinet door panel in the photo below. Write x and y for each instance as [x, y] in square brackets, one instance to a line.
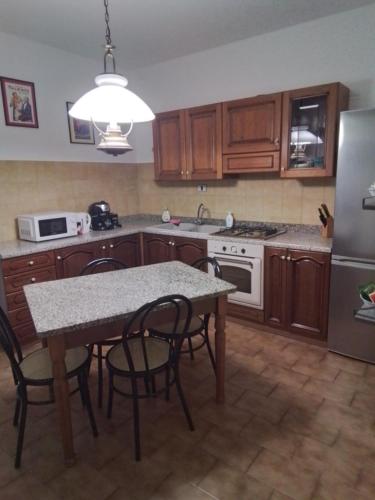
[16, 282]
[156, 248]
[251, 162]
[126, 250]
[252, 125]
[169, 146]
[275, 286]
[188, 250]
[307, 292]
[204, 142]
[71, 260]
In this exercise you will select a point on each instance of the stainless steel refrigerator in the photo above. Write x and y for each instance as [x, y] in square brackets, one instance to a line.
[353, 253]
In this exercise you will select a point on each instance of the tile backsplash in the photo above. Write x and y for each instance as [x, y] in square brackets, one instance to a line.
[258, 198]
[31, 186]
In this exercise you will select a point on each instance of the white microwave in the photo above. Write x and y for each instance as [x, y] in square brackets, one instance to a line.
[47, 226]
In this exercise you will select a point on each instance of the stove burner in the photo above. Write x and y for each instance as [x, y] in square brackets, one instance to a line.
[261, 231]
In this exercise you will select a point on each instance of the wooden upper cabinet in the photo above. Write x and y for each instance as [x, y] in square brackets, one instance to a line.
[310, 129]
[203, 142]
[169, 145]
[251, 134]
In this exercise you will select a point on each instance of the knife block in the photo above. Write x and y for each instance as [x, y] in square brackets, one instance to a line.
[327, 231]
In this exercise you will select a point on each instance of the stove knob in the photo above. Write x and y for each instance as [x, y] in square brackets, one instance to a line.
[224, 249]
[233, 249]
[243, 250]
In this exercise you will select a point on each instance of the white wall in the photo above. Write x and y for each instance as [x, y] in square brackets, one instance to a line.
[335, 48]
[58, 77]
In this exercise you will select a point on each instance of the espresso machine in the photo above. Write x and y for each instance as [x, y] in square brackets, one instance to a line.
[102, 218]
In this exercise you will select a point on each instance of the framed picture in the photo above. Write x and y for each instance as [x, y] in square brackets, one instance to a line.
[80, 131]
[19, 103]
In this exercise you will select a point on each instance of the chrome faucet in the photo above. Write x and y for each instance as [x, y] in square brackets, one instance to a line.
[201, 210]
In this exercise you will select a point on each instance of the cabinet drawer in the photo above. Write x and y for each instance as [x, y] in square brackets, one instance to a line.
[15, 283]
[257, 162]
[19, 316]
[25, 332]
[16, 300]
[27, 262]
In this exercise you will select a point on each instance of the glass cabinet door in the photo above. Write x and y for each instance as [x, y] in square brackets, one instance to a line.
[310, 121]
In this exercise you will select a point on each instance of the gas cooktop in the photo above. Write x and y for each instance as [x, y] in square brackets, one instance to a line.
[254, 232]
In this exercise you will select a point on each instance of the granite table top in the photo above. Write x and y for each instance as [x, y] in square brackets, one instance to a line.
[297, 239]
[73, 304]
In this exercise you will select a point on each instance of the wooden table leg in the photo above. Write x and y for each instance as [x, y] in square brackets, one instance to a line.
[56, 346]
[221, 306]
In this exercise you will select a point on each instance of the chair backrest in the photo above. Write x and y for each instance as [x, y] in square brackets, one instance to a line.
[102, 265]
[202, 262]
[180, 308]
[11, 346]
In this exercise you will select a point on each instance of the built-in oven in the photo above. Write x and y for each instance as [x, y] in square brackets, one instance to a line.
[242, 265]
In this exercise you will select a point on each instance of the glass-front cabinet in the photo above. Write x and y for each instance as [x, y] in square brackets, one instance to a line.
[310, 127]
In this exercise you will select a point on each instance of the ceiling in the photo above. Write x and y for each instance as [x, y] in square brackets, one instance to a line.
[151, 31]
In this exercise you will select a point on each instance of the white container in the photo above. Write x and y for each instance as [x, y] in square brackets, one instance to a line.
[165, 216]
[229, 220]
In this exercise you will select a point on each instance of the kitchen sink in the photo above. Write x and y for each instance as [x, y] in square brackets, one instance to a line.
[189, 227]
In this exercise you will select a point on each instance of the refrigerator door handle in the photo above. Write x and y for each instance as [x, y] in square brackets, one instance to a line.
[353, 263]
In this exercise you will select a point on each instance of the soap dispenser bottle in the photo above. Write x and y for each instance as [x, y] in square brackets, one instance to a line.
[165, 216]
[229, 220]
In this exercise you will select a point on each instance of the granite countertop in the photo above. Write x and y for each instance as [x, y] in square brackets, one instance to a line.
[297, 237]
[72, 304]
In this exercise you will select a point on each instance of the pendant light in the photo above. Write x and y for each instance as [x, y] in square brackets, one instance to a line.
[111, 103]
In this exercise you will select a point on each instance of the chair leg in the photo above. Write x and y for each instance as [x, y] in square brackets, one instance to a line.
[182, 397]
[137, 441]
[191, 348]
[87, 403]
[110, 395]
[21, 434]
[81, 390]
[100, 376]
[167, 372]
[153, 384]
[17, 412]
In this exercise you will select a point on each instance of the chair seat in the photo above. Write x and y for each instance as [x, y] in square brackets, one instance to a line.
[196, 325]
[157, 352]
[37, 365]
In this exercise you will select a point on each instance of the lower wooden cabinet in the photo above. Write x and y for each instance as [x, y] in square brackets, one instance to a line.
[126, 249]
[161, 248]
[297, 291]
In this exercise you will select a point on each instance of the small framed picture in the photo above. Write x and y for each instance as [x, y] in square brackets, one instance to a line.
[80, 131]
[19, 103]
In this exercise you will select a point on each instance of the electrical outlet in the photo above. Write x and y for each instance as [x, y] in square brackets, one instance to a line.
[202, 188]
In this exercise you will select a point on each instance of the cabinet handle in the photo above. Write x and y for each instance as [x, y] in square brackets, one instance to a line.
[59, 257]
[283, 257]
[173, 243]
[283, 168]
[31, 263]
[276, 141]
[111, 246]
[104, 247]
[289, 258]
[182, 172]
[33, 280]
[187, 172]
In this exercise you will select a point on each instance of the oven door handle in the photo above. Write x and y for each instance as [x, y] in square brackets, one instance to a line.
[238, 262]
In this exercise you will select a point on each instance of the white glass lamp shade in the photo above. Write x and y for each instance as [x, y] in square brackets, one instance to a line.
[300, 135]
[111, 102]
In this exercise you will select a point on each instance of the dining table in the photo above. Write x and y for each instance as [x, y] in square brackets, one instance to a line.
[83, 310]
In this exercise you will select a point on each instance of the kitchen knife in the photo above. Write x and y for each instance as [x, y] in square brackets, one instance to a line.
[325, 210]
[322, 218]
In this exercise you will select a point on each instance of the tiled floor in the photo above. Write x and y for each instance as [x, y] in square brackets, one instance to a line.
[298, 424]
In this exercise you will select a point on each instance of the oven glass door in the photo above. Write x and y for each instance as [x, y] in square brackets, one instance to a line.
[246, 274]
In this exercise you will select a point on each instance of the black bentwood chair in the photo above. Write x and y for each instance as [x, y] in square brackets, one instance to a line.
[93, 267]
[142, 357]
[35, 370]
[198, 325]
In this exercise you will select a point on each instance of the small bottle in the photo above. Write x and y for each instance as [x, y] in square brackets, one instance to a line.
[229, 220]
[165, 216]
